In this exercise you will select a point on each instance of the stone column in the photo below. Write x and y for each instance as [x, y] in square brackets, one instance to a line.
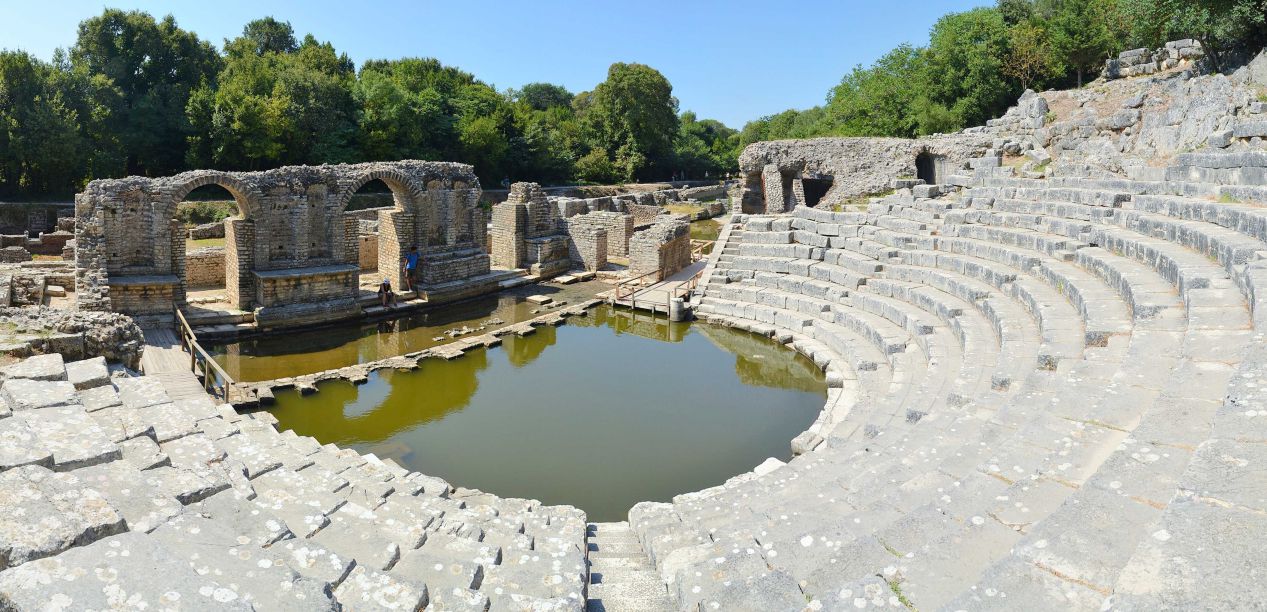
[394, 228]
[510, 224]
[239, 260]
[772, 188]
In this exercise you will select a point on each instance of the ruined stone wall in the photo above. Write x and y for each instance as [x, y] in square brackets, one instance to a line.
[619, 228]
[509, 230]
[367, 251]
[291, 219]
[587, 243]
[855, 166]
[665, 246]
[205, 267]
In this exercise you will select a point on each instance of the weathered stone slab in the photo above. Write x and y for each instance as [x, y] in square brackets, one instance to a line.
[28, 394]
[141, 392]
[143, 505]
[131, 571]
[74, 437]
[43, 513]
[366, 589]
[19, 446]
[211, 548]
[88, 374]
[40, 367]
[143, 453]
[97, 398]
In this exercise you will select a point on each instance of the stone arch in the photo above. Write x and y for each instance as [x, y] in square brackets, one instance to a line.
[246, 197]
[239, 234]
[403, 188]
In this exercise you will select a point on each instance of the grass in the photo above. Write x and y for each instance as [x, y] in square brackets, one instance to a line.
[1227, 198]
[1050, 117]
[897, 591]
[205, 211]
[46, 257]
[191, 244]
[683, 209]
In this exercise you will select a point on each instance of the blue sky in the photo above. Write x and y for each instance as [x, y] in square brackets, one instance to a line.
[734, 61]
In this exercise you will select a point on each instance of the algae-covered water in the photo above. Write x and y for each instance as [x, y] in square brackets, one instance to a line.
[298, 352]
[601, 413]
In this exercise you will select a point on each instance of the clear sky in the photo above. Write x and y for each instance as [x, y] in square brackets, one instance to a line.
[728, 60]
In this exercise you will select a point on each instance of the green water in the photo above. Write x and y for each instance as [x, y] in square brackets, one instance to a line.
[601, 413]
[314, 350]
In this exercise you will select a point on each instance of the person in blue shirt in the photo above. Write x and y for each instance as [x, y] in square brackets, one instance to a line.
[411, 266]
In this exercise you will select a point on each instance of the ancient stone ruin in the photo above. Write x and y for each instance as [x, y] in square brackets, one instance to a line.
[1042, 337]
[293, 252]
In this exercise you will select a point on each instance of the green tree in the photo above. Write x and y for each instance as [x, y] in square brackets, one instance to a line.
[542, 96]
[1081, 31]
[1219, 25]
[963, 70]
[40, 143]
[879, 100]
[155, 65]
[266, 35]
[275, 108]
[704, 148]
[1029, 57]
[633, 117]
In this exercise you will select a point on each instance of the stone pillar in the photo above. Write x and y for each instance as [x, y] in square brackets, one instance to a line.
[587, 244]
[798, 194]
[239, 260]
[772, 188]
[394, 227]
[178, 263]
[510, 226]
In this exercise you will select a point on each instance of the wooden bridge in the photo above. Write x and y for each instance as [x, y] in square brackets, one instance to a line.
[657, 296]
[175, 358]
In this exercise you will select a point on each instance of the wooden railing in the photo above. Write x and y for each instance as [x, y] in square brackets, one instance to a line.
[215, 381]
[698, 247]
[630, 284]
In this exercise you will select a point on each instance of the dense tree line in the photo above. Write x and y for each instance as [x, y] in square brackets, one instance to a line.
[977, 62]
[135, 95]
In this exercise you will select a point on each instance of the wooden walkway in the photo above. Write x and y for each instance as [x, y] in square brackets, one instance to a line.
[656, 297]
[165, 360]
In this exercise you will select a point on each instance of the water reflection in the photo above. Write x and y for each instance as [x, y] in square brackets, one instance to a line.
[621, 408]
[308, 351]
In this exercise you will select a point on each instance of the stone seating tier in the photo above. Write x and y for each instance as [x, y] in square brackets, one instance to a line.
[188, 504]
[1037, 387]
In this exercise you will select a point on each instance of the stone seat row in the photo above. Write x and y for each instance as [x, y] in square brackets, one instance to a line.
[1076, 451]
[238, 515]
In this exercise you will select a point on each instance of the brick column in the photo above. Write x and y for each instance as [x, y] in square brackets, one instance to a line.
[239, 260]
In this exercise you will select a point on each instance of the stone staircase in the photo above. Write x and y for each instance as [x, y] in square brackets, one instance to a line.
[116, 494]
[1041, 390]
[621, 577]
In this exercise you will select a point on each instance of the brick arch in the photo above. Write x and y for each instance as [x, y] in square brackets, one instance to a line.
[246, 196]
[402, 186]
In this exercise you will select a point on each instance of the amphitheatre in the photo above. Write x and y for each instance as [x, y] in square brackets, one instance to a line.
[1033, 350]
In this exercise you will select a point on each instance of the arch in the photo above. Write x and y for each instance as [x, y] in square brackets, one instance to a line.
[403, 189]
[246, 197]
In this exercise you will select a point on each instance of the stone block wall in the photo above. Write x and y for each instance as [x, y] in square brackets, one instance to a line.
[644, 214]
[205, 267]
[587, 244]
[291, 219]
[619, 228]
[14, 254]
[367, 251]
[665, 246]
[509, 230]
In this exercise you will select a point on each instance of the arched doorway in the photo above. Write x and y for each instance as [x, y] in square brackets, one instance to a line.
[927, 167]
[211, 239]
[363, 207]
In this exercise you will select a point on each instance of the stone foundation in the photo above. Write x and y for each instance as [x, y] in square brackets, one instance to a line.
[663, 247]
[205, 267]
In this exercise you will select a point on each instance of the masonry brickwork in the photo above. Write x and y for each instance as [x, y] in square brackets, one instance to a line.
[665, 246]
[291, 225]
